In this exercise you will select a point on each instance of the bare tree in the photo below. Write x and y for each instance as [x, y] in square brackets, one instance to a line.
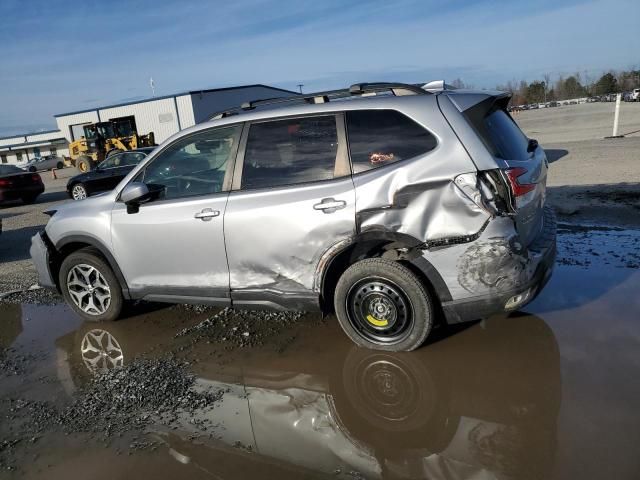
[547, 79]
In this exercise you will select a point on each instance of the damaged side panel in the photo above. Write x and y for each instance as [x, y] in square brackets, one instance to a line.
[424, 197]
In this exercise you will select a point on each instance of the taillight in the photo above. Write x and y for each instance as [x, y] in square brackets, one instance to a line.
[36, 178]
[5, 182]
[518, 189]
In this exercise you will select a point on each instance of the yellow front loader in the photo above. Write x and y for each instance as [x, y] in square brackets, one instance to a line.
[106, 138]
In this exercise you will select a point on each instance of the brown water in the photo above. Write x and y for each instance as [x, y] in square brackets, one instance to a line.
[552, 392]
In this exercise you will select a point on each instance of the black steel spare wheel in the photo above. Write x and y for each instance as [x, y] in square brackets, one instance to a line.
[382, 304]
[379, 310]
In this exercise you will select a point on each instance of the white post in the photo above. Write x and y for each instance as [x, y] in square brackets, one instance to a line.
[616, 115]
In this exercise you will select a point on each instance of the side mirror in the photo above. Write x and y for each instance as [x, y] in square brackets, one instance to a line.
[532, 145]
[134, 194]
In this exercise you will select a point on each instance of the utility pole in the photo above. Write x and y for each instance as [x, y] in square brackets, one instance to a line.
[300, 85]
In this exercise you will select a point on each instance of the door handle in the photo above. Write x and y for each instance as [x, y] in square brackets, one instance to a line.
[330, 205]
[207, 214]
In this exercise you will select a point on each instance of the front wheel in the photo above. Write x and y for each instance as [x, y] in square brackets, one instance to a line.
[79, 192]
[84, 164]
[32, 169]
[59, 165]
[381, 304]
[90, 287]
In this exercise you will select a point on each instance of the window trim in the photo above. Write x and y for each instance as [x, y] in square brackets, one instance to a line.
[342, 161]
[228, 174]
[388, 165]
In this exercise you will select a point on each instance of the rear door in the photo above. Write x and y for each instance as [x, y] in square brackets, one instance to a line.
[292, 200]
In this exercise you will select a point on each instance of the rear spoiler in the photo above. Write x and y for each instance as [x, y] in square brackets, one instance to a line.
[478, 100]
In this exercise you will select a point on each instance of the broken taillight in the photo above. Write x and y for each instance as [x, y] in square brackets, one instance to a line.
[518, 189]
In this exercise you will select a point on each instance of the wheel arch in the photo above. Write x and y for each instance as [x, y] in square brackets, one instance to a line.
[72, 243]
[371, 244]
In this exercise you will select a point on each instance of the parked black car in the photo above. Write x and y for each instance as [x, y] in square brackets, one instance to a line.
[17, 184]
[107, 175]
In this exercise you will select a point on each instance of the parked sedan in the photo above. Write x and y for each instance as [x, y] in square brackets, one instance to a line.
[16, 184]
[44, 163]
[107, 175]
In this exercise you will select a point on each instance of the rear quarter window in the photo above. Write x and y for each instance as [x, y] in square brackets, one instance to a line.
[382, 137]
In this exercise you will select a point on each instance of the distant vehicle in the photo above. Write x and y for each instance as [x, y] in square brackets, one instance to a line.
[635, 95]
[553, 104]
[39, 164]
[107, 175]
[16, 184]
[542, 105]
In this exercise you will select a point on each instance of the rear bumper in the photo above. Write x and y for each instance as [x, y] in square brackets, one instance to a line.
[542, 251]
[41, 256]
[18, 193]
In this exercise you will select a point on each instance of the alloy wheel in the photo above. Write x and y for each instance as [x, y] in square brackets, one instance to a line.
[78, 192]
[88, 289]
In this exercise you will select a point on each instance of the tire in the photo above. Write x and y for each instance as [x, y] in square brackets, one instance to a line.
[32, 169]
[29, 199]
[59, 165]
[401, 303]
[79, 191]
[84, 164]
[394, 402]
[84, 270]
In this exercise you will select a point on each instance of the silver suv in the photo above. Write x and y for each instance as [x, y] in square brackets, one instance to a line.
[393, 205]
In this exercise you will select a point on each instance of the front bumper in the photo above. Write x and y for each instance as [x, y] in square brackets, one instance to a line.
[41, 256]
[474, 308]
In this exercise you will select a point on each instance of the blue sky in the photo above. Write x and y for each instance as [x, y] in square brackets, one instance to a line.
[59, 56]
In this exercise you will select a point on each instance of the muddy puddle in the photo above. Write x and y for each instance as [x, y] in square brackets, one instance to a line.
[176, 392]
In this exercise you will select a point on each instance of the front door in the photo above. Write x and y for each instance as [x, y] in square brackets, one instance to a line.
[293, 200]
[173, 248]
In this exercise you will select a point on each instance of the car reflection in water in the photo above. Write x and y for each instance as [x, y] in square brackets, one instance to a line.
[479, 404]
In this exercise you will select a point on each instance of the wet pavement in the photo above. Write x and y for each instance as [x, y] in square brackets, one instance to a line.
[549, 392]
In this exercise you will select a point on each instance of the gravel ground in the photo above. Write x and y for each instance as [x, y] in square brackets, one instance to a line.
[114, 403]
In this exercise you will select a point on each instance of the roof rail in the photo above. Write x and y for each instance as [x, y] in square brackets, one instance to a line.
[397, 89]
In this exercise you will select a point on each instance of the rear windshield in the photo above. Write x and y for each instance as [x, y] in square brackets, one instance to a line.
[500, 134]
[8, 169]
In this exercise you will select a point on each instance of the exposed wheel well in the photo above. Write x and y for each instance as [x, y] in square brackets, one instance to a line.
[67, 249]
[374, 248]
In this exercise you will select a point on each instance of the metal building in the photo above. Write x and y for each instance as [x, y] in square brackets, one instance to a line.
[167, 115]
[19, 149]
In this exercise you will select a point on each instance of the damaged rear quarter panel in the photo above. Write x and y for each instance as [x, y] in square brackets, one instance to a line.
[418, 196]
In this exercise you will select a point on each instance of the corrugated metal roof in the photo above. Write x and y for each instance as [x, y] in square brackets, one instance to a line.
[28, 134]
[35, 143]
[190, 92]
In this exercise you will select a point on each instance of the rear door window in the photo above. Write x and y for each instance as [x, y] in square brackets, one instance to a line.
[506, 137]
[289, 152]
[382, 137]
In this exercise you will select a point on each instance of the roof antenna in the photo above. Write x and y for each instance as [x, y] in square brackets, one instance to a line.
[153, 86]
[300, 85]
